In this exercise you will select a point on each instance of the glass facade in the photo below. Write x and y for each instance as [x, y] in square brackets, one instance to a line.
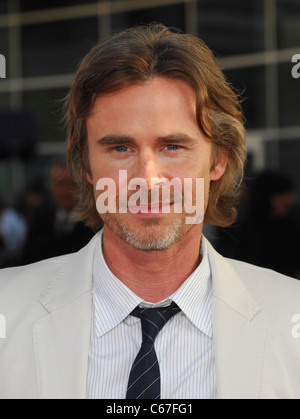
[46, 104]
[289, 96]
[4, 100]
[3, 6]
[288, 23]
[32, 5]
[56, 47]
[231, 27]
[4, 42]
[173, 15]
[249, 83]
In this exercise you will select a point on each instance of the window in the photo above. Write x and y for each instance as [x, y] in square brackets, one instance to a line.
[3, 6]
[56, 47]
[4, 101]
[288, 23]
[173, 15]
[250, 82]
[47, 106]
[4, 42]
[289, 96]
[231, 27]
[32, 5]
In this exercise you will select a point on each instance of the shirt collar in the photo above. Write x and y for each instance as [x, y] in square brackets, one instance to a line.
[194, 297]
[114, 301]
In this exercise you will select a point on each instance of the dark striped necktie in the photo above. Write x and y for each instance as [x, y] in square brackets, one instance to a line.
[144, 379]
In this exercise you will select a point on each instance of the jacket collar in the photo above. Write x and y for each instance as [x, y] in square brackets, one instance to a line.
[228, 287]
[61, 338]
[72, 278]
[238, 341]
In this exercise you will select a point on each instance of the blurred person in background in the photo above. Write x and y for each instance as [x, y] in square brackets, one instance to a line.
[13, 230]
[53, 228]
[267, 233]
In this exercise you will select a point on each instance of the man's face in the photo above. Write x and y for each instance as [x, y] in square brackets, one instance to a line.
[150, 131]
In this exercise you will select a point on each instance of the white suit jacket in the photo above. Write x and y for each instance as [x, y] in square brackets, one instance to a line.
[48, 306]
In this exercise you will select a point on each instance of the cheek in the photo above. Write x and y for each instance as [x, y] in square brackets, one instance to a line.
[189, 167]
[106, 180]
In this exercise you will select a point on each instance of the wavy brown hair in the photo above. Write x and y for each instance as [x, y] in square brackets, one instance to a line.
[134, 56]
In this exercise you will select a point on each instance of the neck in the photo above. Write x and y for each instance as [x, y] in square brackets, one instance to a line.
[153, 275]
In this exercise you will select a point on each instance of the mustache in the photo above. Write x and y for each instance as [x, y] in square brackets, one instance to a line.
[149, 197]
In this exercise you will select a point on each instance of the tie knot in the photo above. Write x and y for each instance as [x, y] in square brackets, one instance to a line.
[154, 319]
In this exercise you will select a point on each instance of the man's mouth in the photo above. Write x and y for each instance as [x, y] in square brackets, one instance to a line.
[151, 208]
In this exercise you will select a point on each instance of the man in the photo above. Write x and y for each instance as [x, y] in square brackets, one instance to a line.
[152, 105]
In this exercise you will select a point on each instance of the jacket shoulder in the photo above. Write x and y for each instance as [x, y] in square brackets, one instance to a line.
[37, 271]
[258, 273]
[51, 282]
[268, 286]
[24, 284]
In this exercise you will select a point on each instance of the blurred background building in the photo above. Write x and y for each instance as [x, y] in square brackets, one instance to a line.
[43, 42]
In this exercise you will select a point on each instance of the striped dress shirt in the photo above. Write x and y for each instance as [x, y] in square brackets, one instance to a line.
[184, 347]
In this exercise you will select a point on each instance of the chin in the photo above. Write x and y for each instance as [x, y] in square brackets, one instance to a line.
[151, 234]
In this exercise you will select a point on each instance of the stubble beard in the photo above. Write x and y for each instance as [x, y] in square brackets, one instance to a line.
[150, 234]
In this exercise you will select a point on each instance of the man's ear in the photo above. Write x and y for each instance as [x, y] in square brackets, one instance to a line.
[219, 166]
[89, 177]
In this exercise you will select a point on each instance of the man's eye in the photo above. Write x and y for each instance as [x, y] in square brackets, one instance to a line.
[172, 147]
[121, 148]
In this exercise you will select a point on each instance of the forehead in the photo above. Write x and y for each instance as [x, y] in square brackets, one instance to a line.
[159, 101]
[150, 92]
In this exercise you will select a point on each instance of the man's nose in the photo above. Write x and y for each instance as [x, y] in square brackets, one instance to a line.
[149, 168]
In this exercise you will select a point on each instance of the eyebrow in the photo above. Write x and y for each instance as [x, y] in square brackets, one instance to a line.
[176, 138]
[111, 139]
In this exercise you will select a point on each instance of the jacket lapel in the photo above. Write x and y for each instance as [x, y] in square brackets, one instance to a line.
[238, 343]
[61, 338]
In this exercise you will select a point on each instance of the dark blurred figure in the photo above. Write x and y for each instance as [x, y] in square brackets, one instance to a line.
[53, 229]
[266, 233]
[12, 235]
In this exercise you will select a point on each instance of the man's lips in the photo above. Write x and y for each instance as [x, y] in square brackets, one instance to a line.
[152, 208]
